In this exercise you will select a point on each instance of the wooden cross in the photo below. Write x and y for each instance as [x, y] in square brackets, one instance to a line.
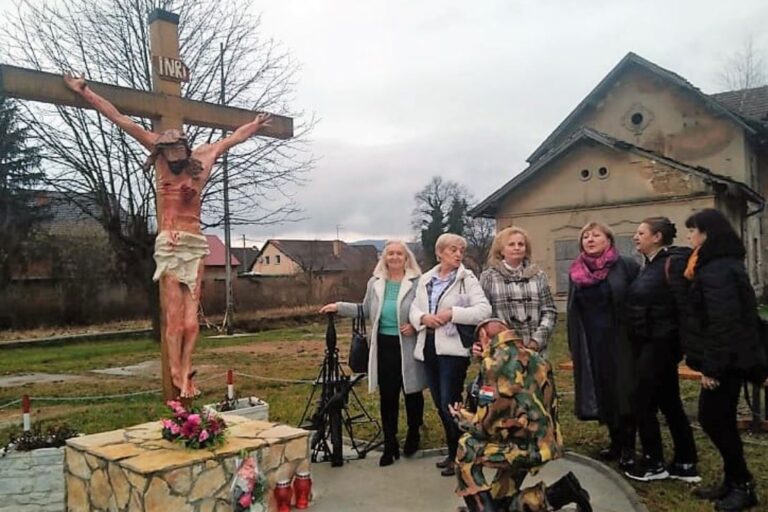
[164, 106]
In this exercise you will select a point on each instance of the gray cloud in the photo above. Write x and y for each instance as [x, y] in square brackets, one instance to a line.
[408, 90]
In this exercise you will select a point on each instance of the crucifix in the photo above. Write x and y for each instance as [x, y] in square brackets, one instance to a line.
[180, 173]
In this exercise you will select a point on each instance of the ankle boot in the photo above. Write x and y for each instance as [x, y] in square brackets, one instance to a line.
[568, 490]
[480, 502]
[711, 492]
[740, 496]
[390, 455]
[412, 440]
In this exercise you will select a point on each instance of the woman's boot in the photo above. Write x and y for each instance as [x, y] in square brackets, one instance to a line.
[412, 440]
[390, 455]
[741, 496]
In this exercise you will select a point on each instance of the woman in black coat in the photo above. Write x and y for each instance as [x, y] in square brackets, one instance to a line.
[720, 340]
[597, 338]
[652, 324]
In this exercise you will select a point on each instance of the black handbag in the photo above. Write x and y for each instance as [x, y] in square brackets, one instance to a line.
[358, 349]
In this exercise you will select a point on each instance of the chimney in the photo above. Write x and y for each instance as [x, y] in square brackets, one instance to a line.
[337, 248]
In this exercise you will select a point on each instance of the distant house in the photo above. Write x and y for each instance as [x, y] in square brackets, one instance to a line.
[246, 256]
[215, 262]
[70, 225]
[291, 257]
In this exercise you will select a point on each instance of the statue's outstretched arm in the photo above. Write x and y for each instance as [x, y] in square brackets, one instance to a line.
[78, 84]
[240, 135]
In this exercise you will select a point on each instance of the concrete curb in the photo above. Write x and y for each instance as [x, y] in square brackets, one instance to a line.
[69, 338]
[613, 476]
[606, 471]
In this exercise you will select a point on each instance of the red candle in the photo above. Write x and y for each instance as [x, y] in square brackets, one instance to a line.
[283, 494]
[302, 487]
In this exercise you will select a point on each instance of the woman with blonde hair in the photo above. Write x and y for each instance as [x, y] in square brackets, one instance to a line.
[518, 290]
[387, 302]
[603, 359]
[446, 295]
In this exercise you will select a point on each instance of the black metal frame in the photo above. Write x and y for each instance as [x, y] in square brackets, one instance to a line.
[336, 409]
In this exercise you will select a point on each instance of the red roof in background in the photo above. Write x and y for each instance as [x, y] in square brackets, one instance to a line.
[216, 258]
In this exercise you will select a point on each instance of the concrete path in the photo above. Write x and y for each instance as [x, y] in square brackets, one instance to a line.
[415, 484]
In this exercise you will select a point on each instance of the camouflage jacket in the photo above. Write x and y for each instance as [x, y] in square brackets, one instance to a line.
[517, 403]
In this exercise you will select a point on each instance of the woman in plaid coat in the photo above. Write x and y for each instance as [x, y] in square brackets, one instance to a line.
[519, 290]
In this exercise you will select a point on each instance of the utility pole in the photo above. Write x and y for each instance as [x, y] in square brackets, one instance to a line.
[243, 262]
[228, 320]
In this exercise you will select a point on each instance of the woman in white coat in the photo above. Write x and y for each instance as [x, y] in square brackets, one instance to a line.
[447, 294]
[387, 303]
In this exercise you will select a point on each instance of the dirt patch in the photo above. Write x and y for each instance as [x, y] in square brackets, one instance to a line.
[22, 379]
[287, 348]
[12, 417]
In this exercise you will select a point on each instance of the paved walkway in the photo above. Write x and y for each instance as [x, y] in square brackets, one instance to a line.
[415, 484]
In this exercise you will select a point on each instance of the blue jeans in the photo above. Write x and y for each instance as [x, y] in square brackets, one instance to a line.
[445, 378]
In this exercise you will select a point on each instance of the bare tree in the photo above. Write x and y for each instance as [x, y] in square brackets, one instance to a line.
[108, 41]
[746, 68]
[479, 234]
[441, 207]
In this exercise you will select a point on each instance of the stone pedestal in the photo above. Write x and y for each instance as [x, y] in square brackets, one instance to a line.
[135, 470]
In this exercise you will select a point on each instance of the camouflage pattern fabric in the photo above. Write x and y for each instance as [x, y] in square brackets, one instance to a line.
[515, 428]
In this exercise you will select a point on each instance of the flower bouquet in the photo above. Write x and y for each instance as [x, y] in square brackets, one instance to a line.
[193, 427]
[248, 487]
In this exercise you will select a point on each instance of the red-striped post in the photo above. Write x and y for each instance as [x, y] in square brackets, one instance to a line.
[230, 384]
[26, 407]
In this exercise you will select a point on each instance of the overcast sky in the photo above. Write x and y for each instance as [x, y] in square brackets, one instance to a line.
[407, 90]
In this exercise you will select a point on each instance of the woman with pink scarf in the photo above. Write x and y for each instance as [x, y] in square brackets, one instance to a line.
[603, 362]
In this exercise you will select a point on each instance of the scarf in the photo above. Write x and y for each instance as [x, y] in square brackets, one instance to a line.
[690, 268]
[589, 270]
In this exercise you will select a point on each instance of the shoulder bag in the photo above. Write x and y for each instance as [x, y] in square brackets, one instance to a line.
[358, 349]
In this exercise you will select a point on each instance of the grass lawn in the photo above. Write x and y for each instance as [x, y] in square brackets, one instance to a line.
[293, 353]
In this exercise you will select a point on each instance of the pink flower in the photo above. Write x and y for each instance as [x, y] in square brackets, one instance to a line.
[189, 429]
[203, 435]
[175, 429]
[194, 419]
[167, 423]
[175, 406]
[245, 500]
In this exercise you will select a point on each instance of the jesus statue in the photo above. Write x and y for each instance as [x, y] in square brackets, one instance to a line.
[179, 247]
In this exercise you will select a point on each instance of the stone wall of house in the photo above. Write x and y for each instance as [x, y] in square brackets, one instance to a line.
[32, 481]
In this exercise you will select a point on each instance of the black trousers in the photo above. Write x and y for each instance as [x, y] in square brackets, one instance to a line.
[390, 384]
[717, 415]
[445, 378]
[658, 389]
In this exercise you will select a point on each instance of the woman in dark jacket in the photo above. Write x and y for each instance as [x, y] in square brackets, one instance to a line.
[601, 353]
[652, 324]
[720, 340]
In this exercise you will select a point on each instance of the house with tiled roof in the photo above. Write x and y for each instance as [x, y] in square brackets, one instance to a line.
[643, 142]
[290, 257]
[215, 262]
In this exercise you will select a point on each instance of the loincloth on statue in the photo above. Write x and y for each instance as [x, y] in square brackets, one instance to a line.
[180, 254]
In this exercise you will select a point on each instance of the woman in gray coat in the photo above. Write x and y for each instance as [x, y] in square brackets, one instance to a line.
[387, 302]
